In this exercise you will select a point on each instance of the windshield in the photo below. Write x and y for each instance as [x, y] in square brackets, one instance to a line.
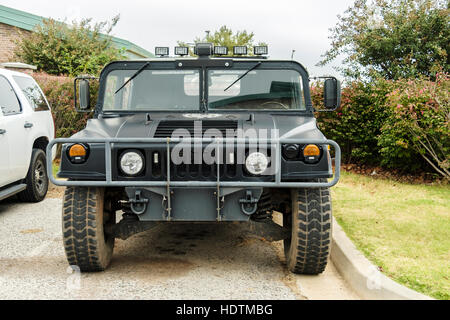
[254, 88]
[257, 90]
[152, 90]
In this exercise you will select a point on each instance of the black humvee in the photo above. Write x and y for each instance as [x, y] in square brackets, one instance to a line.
[199, 139]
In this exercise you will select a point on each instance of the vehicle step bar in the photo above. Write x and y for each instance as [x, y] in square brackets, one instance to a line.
[12, 190]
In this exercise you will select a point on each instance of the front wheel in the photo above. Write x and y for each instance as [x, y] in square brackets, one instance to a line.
[37, 179]
[85, 218]
[308, 248]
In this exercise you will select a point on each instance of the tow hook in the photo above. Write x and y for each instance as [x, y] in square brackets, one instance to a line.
[137, 204]
[249, 205]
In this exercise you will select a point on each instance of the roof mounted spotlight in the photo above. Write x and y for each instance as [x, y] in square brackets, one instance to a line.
[181, 51]
[162, 51]
[204, 49]
[240, 50]
[220, 51]
[260, 50]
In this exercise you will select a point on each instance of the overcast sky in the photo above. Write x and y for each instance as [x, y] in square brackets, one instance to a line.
[285, 25]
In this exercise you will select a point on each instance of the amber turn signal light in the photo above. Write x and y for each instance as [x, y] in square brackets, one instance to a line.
[311, 150]
[77, 150]
[78, 153]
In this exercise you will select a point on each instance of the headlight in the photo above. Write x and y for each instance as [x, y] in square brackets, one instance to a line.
[162, 51]
[220, 50]
[260, 50]
[257, 163]
[181, 51]
[240, 50]
[132, 163]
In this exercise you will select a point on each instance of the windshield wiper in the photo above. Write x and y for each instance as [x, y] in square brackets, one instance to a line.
[133, 76]
[246, 73]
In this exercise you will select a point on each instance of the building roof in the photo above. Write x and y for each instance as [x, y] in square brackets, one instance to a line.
[28, 21]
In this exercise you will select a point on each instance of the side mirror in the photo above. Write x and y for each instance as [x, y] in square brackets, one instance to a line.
[84, 94]
[332, 94]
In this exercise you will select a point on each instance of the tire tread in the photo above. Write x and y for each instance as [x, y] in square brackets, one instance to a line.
[80, 231]
[312, 247]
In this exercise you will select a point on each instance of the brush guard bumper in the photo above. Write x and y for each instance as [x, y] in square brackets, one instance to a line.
[222, 188]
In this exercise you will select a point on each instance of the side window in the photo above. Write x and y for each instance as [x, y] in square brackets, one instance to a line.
[32, 92]
[9, 103]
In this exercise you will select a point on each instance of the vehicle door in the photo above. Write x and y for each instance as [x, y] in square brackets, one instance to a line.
[14, 122]
[4, 157]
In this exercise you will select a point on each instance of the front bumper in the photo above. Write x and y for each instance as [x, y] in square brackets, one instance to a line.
[217, 189]
[110, 182]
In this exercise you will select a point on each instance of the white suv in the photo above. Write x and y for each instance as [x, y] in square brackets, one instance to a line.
[26, 127]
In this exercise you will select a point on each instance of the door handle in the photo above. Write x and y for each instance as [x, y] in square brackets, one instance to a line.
[28, 125]
[2, 131]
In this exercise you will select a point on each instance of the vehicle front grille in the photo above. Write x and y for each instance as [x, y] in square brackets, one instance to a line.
[166, 128]
[229, 169]
[193, 171]
[157, 162]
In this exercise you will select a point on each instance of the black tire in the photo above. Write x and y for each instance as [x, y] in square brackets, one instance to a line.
[37, 179]
[308, 248]
[84, 220]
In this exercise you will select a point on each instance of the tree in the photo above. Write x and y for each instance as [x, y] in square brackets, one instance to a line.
[393, 39]
[227, 38]
[61, 49]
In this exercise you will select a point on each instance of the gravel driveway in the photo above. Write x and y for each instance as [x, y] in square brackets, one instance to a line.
[194, 261]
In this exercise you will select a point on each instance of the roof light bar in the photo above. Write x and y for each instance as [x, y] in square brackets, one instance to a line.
[240, 50]
[260, 50]
[162, 51]
[181, 51]
[220, 51]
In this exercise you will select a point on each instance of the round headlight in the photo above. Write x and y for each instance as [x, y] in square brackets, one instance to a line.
[132, 163]
[257, 163]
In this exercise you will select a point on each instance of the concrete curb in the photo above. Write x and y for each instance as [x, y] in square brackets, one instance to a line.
[362, 275]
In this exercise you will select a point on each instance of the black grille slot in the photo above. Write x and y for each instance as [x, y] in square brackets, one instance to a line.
[166, 128]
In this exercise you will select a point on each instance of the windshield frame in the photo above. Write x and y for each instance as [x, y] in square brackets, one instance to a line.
[203, 65]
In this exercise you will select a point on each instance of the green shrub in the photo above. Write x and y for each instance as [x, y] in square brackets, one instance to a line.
[59, 91]
[69, 49]
[401, 124]
[357, 123]
[417, 133]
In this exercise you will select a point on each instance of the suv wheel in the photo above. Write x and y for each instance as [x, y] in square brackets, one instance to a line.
[308, 248]
[37, 179]
[84, 223]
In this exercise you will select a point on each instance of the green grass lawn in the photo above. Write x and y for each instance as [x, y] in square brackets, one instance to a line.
[55, 168]
[402, 228]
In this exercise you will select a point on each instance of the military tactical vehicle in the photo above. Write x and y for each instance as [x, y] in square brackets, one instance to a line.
[213, 137]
